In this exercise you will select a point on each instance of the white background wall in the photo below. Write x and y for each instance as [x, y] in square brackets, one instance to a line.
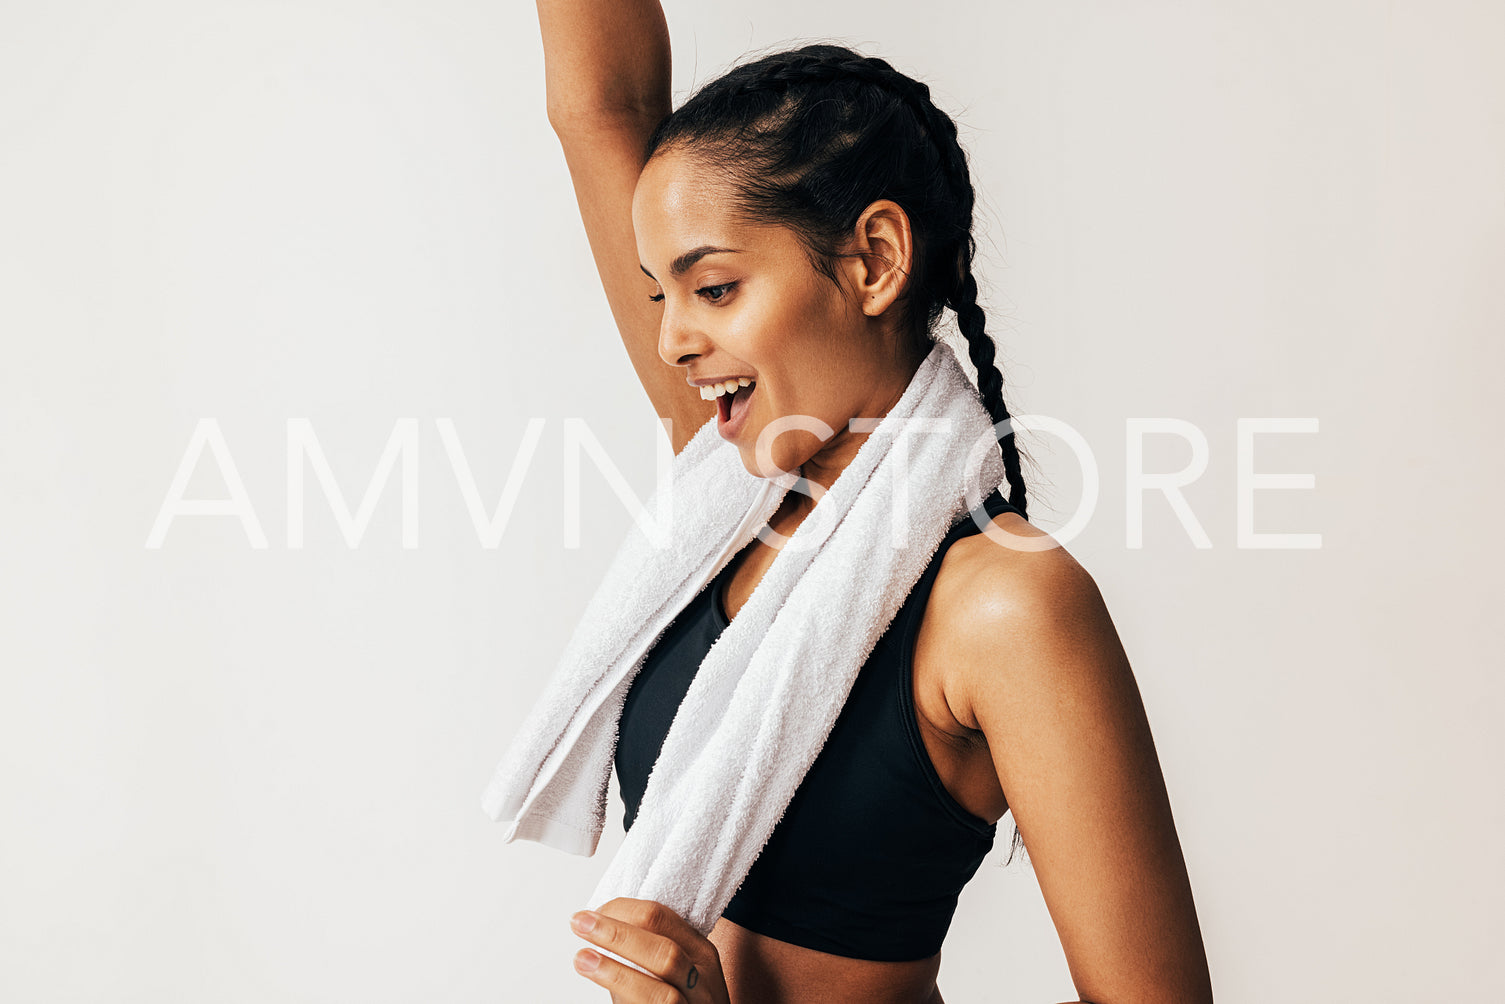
[238, 774]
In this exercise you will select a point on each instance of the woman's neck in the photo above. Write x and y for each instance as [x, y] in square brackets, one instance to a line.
[837, 452]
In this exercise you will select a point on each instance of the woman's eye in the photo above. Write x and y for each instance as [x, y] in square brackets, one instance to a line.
[720, 291]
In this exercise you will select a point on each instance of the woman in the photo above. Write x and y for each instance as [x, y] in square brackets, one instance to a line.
[784, 244]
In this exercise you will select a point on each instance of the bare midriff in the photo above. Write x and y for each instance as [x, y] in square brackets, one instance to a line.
[764, 970]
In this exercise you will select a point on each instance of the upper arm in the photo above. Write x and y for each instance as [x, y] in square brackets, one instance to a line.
[1043, 674]
[605, 157]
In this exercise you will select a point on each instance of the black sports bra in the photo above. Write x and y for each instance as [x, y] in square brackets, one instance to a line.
[870, 856]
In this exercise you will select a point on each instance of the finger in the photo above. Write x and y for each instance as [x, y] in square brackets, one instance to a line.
[660, 955]
[627, 985]
[654, 916]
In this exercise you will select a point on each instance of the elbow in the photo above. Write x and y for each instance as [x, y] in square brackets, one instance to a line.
[577, 117]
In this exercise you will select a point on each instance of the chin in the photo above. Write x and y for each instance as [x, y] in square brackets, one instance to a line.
[750, 460]
[749, 454]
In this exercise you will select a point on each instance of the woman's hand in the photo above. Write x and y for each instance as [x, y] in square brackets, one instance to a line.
[686, 966]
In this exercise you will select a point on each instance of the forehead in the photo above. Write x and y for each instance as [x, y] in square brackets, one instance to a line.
[679, 204]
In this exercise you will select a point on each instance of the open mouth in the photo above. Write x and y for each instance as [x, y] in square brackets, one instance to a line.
[731, 407]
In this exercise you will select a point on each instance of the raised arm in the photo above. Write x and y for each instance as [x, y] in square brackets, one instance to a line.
[607, 73]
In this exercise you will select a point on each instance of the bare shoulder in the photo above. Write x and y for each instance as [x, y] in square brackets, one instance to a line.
[1004, 600]
[1035, 665]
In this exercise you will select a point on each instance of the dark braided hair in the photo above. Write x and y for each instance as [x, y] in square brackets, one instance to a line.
[809, 138]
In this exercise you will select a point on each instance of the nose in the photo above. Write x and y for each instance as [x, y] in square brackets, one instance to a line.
[679, 342]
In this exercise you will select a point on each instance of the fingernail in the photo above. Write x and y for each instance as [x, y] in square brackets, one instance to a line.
[584, 922]
[586, 960]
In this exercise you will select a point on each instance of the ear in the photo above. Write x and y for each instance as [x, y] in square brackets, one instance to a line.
[882, 246]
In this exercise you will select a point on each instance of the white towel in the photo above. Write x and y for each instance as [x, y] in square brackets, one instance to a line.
[766, 695]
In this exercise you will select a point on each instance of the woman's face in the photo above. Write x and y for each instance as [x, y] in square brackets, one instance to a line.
[759, 310]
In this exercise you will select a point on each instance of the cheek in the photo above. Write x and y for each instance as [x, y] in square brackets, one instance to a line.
[788, 336]
[792, 340]
[769, 323]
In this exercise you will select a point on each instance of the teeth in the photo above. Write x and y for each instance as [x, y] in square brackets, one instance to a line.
[712, 391]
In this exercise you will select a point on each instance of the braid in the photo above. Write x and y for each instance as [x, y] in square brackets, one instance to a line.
[804, 67]
[970, 319]
[963, 300]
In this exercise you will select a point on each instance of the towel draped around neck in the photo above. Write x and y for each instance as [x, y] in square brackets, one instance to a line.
[768, 692]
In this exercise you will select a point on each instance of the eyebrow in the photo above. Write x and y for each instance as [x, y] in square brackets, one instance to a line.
[686, 261]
